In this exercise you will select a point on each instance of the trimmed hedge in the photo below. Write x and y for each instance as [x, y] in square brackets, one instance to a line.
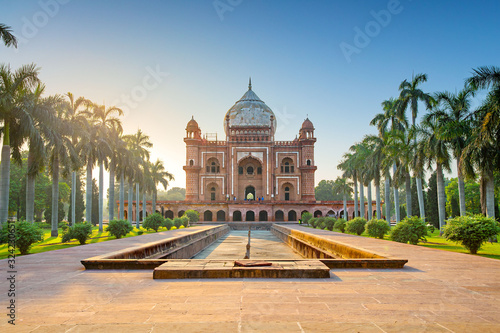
[80, 231]
[410, 230]
[119, 228]
[21, 233]
[340, 225]
[356, 226]
[471, 231]
[153, 221]
[377, 228]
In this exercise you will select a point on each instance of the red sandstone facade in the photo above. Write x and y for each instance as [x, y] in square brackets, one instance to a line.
[248, 176]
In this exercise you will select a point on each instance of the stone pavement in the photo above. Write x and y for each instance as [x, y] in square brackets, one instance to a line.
[437, 291]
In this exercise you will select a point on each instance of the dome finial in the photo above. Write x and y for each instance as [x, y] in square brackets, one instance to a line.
[250, 83]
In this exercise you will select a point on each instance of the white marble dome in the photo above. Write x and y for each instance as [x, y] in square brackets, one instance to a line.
[250, 111]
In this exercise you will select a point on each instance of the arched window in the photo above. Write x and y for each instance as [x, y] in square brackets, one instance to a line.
[213, 166]
[287, 165]
[259, 171]
[191, 162]
[240, 170]
[212, 194]
[308, 162]
[250, 170]
[287, 193]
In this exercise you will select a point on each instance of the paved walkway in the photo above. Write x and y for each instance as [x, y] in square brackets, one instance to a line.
[437, 291]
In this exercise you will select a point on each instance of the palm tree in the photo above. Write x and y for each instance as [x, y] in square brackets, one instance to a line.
[11, 85]
[455, 119]
[77, 112]
[360, 152]
[410, 95]
[36, 119]
[139, 144]
[483, 151]
[61, 152]
[436, 150]
[348, 165]
[374, 161]
[341, 185]
[399, 149]
[6, 35]
[392, 119]
[105, 121]
[158, 174]
[118, 151]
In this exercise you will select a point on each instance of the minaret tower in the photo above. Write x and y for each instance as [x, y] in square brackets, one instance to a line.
[193, 163]
[307, 164]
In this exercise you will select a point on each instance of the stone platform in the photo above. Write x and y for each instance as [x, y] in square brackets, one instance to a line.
[223, 269]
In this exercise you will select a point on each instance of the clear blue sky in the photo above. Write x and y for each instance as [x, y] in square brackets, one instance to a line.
[105, 50]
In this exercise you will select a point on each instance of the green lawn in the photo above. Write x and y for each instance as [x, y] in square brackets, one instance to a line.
[489, 250]
[54, 243]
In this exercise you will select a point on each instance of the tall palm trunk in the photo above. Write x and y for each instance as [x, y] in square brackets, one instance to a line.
[130, 216]
[55, 197]
[346, 216]
[420, 196]
[377, 197]
[30, 191]
[461, 190]
[440, 196]
[387, 199]
[490, 194]
[154, 201]
[361, 200]
[88, 192]
[5, 176]
[408, 194]
[101, 194]
[369, 194]
[137, 208]
[356, 211]
[122, 196]
[73, 197]
[144, 213]
[396, 195]
[111, 203]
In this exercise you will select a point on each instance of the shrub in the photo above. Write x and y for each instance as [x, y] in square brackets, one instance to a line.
[177, 222]
[306, 217]
[23, 234]
[168, 223]
[140, 232]
[330, 223]
[313, 222]
[185, 221]
[410, 230]
[80, 232]
[153, 222]
[356, 226]
[192, 215]
[340, 225]
[431, 228]
[377, 228]
[471, 231]
[119, 228]
[63, 225]
[321, 223]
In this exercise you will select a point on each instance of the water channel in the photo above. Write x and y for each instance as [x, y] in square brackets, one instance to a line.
[263, 246]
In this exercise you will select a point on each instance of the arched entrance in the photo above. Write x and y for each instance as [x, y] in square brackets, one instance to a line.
[318, 213]
[292, 216]
[181, 212]
[279, 216]
[331, 213]
[250, 190]
[236, 215]
[262, 215]
[207, 216]
[250, 216]
[169, 214]
[221, 216]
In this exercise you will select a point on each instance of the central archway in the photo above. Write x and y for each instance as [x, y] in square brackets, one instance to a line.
[250, 190]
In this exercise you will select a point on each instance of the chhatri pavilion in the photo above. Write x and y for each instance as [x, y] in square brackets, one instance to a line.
[249, 176]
